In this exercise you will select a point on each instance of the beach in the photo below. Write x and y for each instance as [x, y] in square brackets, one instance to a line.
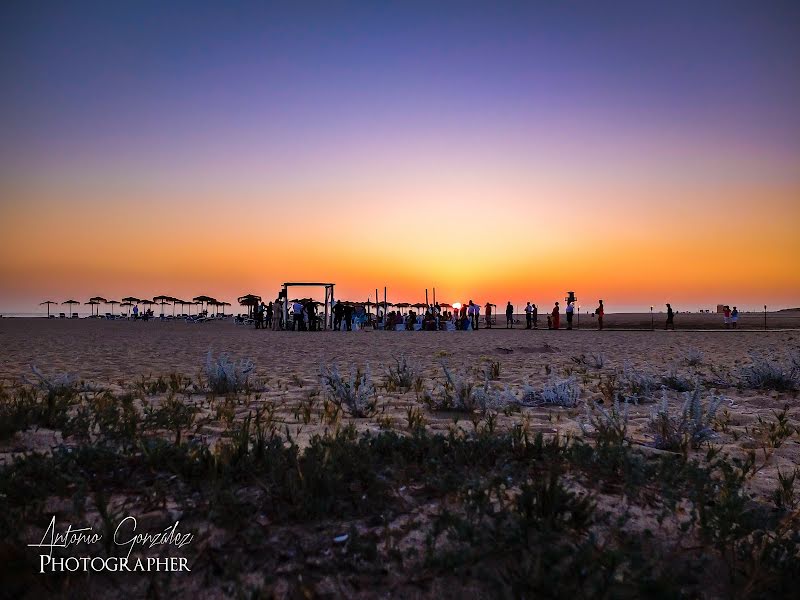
[280, 546]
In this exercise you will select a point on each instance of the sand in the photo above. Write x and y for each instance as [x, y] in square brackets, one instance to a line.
[116, 354]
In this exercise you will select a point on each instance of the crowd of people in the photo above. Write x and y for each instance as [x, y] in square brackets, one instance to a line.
[304, 315]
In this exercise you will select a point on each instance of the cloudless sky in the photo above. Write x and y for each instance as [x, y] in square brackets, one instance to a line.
[637, 151]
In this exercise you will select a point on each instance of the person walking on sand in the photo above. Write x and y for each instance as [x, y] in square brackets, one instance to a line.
[488, 315]
[476, 325]
[670, 319]
[600, 311]
[528, 315]
[509, 316]
[734, 317]
[535, 316]
[726, 316]
[556, 317]
[569, 310]
[269, 316]
[338, 313]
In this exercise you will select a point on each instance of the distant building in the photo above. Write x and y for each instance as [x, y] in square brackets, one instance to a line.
[720, 308]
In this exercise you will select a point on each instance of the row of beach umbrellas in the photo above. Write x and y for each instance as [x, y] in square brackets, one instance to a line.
[129, 301]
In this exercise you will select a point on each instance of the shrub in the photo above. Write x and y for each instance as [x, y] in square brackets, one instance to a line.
[595, 361]
[356, 395]
[227, 376]
[641, 385]
[404, 375]
[694, 357]
[608, 426]
[557, 392]
[765, 374]
[690, 427]
[457, 393]
[674, 381]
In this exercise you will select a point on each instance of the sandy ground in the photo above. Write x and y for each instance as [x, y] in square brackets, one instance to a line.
[116, 354]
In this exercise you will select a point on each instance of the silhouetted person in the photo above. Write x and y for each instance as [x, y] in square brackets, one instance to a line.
[528, 316]
[569, 310]
[348, 317]
[556, 317]
[535, 314]
[734, 317]
[600, 311]
[299, 323]
[269, 315]
[488, 316]
[670, 318]
[509, 315]
[338, 314]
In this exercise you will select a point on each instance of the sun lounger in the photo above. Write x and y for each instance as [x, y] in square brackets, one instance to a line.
[74, 315]
[62, 315]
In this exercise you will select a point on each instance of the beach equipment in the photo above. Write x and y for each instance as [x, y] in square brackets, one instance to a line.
[48, 303]
[70, 303]
[92, 304]
[112, 303]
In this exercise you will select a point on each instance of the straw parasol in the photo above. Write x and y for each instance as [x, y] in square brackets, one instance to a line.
[70, 303]
[112, 303]
[223, 305]
[48, 303]
[92, 304]
[127, 305]
[162, 300]
[206, 299]
[250, 301]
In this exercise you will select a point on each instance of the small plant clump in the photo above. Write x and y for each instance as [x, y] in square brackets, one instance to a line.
[764, 374]
[642, 386]
[226, 376]
[403, 375]
[457, 393]
[692, 426]
[356, 395]
[557, 392]
[694, 357]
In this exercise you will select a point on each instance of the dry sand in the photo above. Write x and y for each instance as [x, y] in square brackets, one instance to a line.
[115, 354]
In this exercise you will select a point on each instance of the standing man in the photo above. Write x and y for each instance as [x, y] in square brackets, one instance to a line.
[348, 317]
[734, 317]
[670, 319]
[299, 322]
[535, 315]
[277, 316]
[570, 310]
[509, 316]
[477, 317]
[338, 312]
[269, 316]
[528, 316]
[488, 315]
[600, 311]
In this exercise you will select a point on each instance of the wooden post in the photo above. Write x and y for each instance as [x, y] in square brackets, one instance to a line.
[325, 304]
[426, 297]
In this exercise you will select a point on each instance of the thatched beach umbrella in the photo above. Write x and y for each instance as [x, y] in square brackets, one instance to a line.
[127, 305]
[223, 305]
[162, 300]
[250, 301]
[48, 302]
[112, 303]
[206, 299]
[92, 304]
[70, 303]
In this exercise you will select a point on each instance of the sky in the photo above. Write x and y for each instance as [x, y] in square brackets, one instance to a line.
[639, 152]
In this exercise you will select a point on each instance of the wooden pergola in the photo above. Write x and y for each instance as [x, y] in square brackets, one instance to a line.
[328, 297]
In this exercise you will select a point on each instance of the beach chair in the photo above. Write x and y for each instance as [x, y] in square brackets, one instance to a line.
[62, 315]
[74, 315]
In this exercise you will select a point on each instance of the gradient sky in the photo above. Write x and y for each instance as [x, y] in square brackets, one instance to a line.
[642, 152]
